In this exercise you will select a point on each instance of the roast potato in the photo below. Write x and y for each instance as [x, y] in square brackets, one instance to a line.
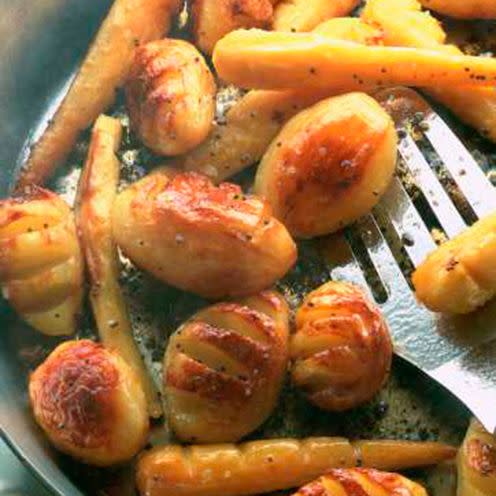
[253, 121]
[342, 349]
[212, 19]
[41, 265]
[263, 466]
[269, 60]
[405, 24]
[170, 96]
[89, 403]
[211, 240]
[224, 367]
[460, 275]
[129, 23]
[363, 482]
[329, 165]
[477, 462]
[463, 9]
[305, 15]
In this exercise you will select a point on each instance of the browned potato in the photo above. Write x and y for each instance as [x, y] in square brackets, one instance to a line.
[477, 462]
[105, 68]
[361, 482]
[211, 240]
[329, 165]
[464, 9]
[342, 349]
[460, 275]
[89, 403]
[224, 368]
[212, 19]
[263, 466]
[170, 96]
[41, 265]
[305, 15]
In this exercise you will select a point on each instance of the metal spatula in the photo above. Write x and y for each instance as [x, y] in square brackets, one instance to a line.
[458, 352]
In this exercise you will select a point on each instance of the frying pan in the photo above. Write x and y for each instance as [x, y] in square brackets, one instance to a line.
[41, 43]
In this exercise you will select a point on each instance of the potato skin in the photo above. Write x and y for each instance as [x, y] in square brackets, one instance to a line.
[329, 165]
[170, 96]
[342, 349]
[460, 275]
[224, 367]
[213, 19]
[41, 264]
[211, 240]
[363, 482]
[89, 403]
[464, 9]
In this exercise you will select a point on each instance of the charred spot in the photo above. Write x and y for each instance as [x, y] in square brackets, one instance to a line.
[482, 457]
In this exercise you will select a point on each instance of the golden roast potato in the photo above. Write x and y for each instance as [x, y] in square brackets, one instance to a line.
[211, 240]
[342, 349]
[89, 403]
[460, 275]
[170, 96]
[464, 9]
[361, 482]
[41, 264]
[329, 165]
[477, 462]
[223, 369]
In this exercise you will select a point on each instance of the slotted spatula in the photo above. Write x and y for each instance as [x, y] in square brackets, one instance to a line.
[458, 352]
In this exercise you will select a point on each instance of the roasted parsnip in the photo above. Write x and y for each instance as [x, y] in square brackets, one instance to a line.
[476, 462]
[211, 240]
[213, 19]
[261, 466]
[170, 96]
[97, 190]
[363, 482]
[41, 264]
[329, 165]
[405, 24]
[463, 9]
[341, 350]
[305, 15]
[273, 60]
[89, 403]
[253, 122]
[105, 68]
[224, 368]
[460, 275]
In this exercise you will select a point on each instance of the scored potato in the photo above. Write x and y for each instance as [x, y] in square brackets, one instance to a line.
[463, 9]
[97, 190]
[129, 23]
[253, 121]
[329, 165]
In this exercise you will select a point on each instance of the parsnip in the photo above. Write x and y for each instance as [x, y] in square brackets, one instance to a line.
[129, 23]
[97, 190]
[305, 15]
[272, 60]
[254, 121]
[260, 466]
[405, 24]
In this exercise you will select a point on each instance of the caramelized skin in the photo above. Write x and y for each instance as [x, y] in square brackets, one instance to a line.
[463, 9]
[41, 265]
[211, 240]
[254, 121]
[342, 349]
[477, 462]
[89, 403]
[329, 165]
[170, 96]
[224, 368]
[264, 466]
[361, 482]
[213, 19]
[460, 275]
